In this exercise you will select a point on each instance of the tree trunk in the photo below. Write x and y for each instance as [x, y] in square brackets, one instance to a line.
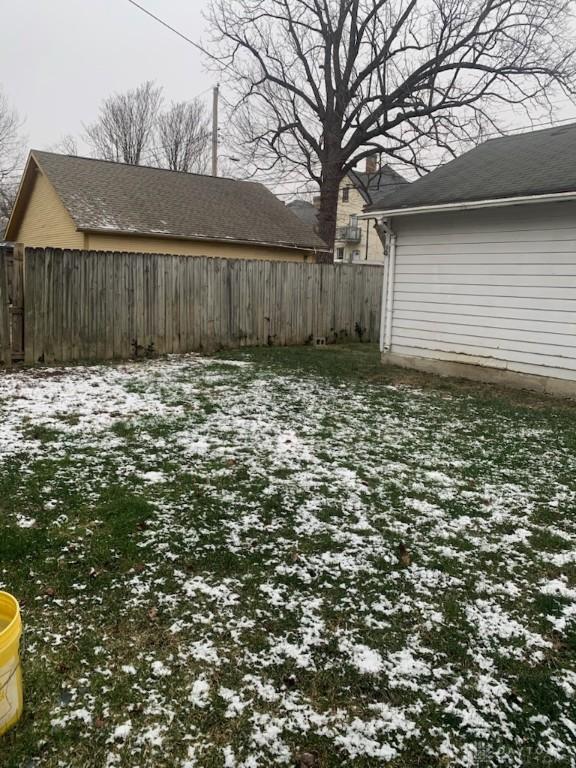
[329, 191]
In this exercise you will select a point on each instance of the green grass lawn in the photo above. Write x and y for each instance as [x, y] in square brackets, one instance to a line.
[206, 554]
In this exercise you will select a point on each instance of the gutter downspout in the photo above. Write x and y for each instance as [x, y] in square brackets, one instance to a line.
[388, 280]
[390, 297]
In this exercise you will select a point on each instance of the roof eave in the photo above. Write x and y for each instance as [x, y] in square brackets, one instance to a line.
[15, 215]
[469, 205]
[201, 239]
[358, 186]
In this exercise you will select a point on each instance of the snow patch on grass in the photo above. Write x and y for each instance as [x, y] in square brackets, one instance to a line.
[210, 566]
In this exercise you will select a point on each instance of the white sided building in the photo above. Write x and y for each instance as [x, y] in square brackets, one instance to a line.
[480, 274]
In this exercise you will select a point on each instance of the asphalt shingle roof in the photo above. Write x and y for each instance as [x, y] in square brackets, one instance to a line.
[537, 163]
[373, 186]
[114, 197]
[305, 211]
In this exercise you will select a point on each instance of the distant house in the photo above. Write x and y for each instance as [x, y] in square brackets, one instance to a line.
[356, 240]
[74, 202]
[306, 212]
[481, 277]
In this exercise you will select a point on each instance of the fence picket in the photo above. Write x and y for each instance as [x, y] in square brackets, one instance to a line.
[5, 343]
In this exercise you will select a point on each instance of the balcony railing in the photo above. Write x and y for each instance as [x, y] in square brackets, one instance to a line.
[349, 234]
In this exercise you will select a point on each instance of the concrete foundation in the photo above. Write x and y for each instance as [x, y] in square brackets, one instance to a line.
[502, 377]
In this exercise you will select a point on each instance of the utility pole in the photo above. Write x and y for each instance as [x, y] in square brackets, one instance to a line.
[215, 130]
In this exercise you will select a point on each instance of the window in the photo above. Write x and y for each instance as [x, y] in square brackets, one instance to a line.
[345, 194]
[339, 254]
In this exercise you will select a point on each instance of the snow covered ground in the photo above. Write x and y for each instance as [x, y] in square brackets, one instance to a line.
[207, 555]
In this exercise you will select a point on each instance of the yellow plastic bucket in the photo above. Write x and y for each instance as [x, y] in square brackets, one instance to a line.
[11, 696]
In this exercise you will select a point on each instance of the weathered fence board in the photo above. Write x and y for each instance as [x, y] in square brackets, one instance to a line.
[5, 336]
[12, 304]
[16, 297]
[92, 305]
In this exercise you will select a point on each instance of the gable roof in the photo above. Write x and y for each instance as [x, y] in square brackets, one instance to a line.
[306, 212]
[372, 186]
[107, 197]
[518, 166]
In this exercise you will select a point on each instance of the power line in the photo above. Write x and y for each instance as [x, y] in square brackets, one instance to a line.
[171, 28]
[551, 123]
[197, 96]
[200, 48]
[280, 181]
[210, 55]
[429, 166]
[303, 190]
[158, 147]
[297, 192]
[499, 134]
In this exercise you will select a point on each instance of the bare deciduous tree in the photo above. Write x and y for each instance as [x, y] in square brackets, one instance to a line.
[68, 145]
[321, 84]
[125, 127]
[10, 139]
[11, 144]
[8, 190]
[182, 137]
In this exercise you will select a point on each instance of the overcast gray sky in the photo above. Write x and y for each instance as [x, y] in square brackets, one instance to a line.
[60, 58]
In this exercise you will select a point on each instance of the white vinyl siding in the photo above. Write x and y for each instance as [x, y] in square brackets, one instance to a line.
[490, 287]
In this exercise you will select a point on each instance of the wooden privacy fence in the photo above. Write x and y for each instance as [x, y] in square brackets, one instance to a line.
[88, 305]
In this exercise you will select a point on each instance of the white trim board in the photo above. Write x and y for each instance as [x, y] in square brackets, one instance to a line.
[468, 206]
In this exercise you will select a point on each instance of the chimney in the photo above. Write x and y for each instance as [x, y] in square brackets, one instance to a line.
[372, 164]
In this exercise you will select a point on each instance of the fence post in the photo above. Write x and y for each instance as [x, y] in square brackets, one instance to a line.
[17, 303]
[5, 341]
